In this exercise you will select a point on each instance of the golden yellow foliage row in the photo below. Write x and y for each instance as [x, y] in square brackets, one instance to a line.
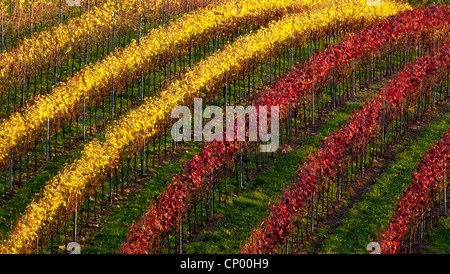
[98, 159]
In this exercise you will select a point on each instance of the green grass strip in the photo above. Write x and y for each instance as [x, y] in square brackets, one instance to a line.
[439, 238]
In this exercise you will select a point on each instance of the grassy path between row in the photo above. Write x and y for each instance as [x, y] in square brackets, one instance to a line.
[439, 239]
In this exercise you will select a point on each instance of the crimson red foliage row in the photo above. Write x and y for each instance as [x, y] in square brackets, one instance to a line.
[163, 215]
[427, 178]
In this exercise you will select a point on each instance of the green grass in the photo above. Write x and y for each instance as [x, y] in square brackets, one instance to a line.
[439, 239]
[364, 222]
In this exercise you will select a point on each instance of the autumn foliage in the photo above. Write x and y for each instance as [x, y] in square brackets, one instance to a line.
[428, 178]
